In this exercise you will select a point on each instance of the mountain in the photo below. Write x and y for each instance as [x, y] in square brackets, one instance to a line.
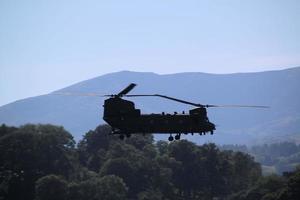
[277, 89]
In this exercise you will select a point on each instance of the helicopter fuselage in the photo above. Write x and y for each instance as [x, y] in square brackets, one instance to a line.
[122, 116]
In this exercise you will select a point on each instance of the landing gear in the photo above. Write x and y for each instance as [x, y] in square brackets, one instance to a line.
[123, 135]
[177, 137]
[211, 132]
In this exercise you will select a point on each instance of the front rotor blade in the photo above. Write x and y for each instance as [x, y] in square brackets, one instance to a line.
[76, 94]
[126, 90]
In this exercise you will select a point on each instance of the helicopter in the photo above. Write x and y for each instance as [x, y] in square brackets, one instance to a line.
[125, 119]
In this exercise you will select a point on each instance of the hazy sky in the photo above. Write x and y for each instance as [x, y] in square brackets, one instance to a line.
[46, 45]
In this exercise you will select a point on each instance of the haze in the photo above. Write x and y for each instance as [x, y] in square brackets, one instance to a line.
[47, 45]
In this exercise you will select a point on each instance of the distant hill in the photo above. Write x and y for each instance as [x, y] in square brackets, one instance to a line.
[277, 89]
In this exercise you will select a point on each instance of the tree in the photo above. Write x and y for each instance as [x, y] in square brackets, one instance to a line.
[246, 171]
[112, 187]
[150, 194]
[292, 189]
[32, 152]
[184, 177]
[93, 147]
[109, 187]
[139, 141]
[164, 181]
[120, 167]
[138, 168]
[51, 187]
[44, 156]
[4, 130]
[162, 147]
[267, 188]
[294, 186]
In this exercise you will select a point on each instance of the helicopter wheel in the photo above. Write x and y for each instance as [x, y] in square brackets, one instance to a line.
[200, 133]
[121, 137]
[177, 137]
[128, 135]
[211, 132]
[171, 138]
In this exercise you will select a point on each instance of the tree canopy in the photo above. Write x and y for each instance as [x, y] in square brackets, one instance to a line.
[43, 162]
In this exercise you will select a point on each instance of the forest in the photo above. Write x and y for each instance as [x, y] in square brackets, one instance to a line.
[275, 158]
[43, 162]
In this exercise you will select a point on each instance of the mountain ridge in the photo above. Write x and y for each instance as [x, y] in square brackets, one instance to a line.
[277, 88]
[179, 73]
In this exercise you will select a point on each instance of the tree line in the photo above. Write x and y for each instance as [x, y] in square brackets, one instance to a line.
[43, 162]
[275, 157]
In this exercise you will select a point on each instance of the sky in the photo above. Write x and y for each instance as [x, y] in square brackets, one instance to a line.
[48, 45]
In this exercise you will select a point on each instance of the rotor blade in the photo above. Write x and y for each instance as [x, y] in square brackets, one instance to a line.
[236, 106]
[76, 94]
[194, 104]
[126, 90]
[166, 97]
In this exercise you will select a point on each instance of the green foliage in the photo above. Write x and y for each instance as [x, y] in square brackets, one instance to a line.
[111, 187]
[135, 166]
[150, 194]
[120, 167]
[284, 156]
[292, 190]
[42, 162]
[92, 148]
[272, 187]
[140, 142]
[162, 147]
[31, 152]
[106, 188]
[207, 171]
[51, 187]
[4, 130]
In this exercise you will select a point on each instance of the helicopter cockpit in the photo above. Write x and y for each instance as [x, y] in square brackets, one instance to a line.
[117, 106]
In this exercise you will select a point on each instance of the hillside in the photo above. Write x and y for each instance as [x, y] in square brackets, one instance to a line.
[277, 89]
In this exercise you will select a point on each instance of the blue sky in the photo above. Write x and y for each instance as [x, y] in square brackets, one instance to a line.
[47, 45]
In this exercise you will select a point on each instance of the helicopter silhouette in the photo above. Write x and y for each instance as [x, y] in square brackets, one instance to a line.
[125, 119]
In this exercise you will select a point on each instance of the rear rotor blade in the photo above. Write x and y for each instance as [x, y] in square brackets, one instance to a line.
[236, 106]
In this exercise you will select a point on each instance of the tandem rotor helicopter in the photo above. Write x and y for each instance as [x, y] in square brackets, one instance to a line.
[125, 119]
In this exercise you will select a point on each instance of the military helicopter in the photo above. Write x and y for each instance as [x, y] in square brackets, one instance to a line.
[125, 119]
